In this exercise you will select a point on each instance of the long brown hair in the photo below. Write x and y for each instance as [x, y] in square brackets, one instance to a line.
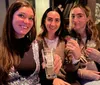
[8, 56]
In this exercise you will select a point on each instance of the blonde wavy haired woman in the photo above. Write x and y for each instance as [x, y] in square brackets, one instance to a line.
[85, 44]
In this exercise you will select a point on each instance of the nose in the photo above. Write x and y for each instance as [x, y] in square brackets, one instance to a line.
[53, 23]
[26, 20]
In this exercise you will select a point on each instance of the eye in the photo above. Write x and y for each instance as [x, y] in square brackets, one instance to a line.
[49, 19]
[73, 16]
[21, 15]
[57, 20]
[79, 16]
[31, 18]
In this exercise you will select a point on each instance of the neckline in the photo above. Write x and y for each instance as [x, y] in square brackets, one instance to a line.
[51, 41]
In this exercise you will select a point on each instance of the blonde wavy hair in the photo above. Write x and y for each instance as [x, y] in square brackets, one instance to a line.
[90, 26]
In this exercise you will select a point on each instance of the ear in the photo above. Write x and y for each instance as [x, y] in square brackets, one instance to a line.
[88, 18]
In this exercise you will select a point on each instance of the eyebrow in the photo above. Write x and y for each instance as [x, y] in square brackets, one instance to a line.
[55, 18]
[25, 14]
[77, 14]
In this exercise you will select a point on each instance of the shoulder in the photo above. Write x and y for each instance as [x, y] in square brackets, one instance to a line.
[38, 43]
[39, 39]
[61, 43]
[1, 45]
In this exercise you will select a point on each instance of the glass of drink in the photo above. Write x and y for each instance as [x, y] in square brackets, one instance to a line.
[48, 57]
[91, 65]
[90, 44]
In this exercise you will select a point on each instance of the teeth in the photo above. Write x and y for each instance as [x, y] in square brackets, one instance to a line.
[24, 27]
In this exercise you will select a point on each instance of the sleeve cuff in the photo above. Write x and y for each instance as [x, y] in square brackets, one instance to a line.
[74, 61]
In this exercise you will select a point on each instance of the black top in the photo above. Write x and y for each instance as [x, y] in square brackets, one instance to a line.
[27, 65]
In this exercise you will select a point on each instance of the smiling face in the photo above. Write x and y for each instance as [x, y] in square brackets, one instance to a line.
[22, 21]
[78, 19]
[52, 22]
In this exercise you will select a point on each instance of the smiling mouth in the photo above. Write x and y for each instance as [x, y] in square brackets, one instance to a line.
[52, 28]
[24, 27]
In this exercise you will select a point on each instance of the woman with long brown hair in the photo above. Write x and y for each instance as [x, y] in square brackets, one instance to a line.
[20, 53]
